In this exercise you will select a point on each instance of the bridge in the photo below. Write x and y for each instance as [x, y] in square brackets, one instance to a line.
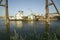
[6, 9]
[47, 10]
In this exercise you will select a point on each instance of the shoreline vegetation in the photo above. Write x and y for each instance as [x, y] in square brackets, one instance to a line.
[35, 36]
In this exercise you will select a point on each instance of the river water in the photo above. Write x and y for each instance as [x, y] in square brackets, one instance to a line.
[29, 30]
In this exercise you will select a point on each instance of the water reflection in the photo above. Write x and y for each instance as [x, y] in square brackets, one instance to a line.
[30, 22]
[47, 27]
[7, 31]
[46, 33]
[19, 24]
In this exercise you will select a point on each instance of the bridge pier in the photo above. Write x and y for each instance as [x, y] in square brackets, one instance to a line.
[47, 13]
[6, 10]
[7, 16]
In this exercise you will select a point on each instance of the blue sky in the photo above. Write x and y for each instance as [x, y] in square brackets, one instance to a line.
[28, 6]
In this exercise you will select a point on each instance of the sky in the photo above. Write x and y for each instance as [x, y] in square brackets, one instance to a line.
[28, 6]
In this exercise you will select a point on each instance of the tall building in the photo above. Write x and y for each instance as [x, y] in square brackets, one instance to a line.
[19, 15]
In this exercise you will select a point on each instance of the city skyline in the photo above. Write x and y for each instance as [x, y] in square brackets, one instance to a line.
[28, 6]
